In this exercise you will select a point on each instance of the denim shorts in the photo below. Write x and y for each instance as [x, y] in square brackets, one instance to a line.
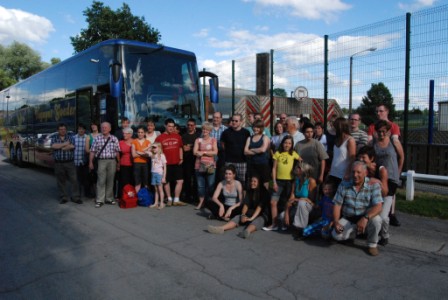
[156, 178]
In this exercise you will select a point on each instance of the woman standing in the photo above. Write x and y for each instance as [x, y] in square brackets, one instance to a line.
[232, 192]
[139, 148]
[253, 214]
[389, 153]
[257, 151]
[277, 138]
[151, 133]
[205, 149]
[344, 153]
[125, 163]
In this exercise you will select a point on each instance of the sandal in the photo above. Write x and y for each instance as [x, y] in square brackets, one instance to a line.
[98, 204]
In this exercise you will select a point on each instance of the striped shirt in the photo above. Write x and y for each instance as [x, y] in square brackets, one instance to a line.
[59, 154]
[216, 133]
[360, 137]
[110, 151]
[357, 203]
[80, 150]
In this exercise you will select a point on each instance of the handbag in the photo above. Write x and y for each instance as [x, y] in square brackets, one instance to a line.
[207, 168]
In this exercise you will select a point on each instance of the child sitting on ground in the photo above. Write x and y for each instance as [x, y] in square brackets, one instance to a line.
[323, 225]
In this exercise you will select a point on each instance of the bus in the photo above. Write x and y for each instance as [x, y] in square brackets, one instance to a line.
[111, 80]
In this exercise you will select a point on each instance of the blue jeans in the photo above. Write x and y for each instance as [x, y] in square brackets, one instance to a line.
[205, 183]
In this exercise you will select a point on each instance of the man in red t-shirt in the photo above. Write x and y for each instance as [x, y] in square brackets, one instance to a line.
[172, 148]
[382, 113]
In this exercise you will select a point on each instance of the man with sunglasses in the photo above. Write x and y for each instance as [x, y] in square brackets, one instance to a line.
[233, 140]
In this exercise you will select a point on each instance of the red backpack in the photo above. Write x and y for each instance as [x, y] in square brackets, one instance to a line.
[128, 197]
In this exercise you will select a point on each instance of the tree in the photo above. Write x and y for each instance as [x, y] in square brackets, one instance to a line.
[20, 61]
[104, 24]
[55, 60]
[280, 92]
[378, 94]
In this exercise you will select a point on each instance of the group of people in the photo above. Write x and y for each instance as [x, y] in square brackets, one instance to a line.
[340, 182]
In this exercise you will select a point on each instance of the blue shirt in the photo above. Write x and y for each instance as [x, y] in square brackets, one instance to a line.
[216, 133]
[357, 203]
[80, 150]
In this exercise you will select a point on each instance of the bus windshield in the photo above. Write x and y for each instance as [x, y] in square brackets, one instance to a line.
[159, 84]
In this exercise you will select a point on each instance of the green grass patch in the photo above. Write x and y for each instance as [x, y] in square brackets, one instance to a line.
[424, 204]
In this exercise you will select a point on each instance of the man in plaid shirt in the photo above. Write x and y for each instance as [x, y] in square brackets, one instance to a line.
[107, 164]
[64, 169]
[81, 161]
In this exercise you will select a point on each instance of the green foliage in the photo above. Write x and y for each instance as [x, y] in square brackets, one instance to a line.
[105, 24]
[5, 80]
[55, 61]
[280, 92]
[18, 61]
[378, 94]
[424, 204]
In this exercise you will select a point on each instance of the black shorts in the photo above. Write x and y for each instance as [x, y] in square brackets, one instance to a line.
[174, 173]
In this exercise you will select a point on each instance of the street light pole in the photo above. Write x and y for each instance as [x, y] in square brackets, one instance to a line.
[351, 76]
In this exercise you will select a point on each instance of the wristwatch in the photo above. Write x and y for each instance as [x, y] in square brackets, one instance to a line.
[366, 216]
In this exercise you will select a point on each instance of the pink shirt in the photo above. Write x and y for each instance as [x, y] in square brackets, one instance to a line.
[205, 146]
[157, 163]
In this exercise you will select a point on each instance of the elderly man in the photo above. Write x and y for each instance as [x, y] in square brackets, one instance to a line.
[359, 135]
[106, 149]
[292, 127]
[233, 140]
[357, 208]
[64, 169]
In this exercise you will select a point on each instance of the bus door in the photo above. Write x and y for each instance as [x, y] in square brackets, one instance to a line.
[86, 108]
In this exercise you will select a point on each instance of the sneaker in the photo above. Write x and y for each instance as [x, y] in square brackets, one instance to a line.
[394, 221]
[383, 242]
[245, 234]
[270, 228]
[215, 229]
[62, 201]
[169, 203]
[98, 204]
[179, 203]
[284, 228]
[111, 202]
[78, 201]
[373, 251]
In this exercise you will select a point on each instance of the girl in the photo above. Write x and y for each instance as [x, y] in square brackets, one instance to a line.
[253, 214]
[303, 194]
[281, 176]
[158, 173]
[232, 191]
[205, 149]
[139, 147]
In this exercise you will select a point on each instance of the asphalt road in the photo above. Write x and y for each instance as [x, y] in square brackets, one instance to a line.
[53, 251]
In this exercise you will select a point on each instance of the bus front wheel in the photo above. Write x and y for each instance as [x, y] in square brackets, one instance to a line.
[19, 157]
[12, 152]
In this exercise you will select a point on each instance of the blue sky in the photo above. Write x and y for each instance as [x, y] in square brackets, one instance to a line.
[215, 30]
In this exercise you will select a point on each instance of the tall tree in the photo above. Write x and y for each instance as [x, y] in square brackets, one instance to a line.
[279, 92]
[378, 94]
[20, 61]
[104, 24]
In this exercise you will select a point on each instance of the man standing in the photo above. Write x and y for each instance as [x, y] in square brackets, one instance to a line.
[292, 127]
[188, 139]
[172, 148]
[106, 149]
[312, 152]
[233, 140]
[359, 135]
[64, 169]
[357, 208]
[218, 129]
[82, 161]
[382, 113]
[125, 123]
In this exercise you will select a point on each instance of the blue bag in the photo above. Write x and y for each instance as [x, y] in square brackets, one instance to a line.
[145, 197]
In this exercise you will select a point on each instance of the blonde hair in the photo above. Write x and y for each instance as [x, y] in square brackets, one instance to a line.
[207, 126]
[159, 146]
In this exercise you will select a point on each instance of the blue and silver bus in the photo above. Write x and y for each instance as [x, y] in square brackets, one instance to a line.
[109, 81]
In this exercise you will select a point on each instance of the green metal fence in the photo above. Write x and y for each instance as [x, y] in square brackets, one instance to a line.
[404, 53]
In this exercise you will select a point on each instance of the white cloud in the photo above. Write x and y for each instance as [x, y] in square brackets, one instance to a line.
[21, 26]
[315, 10]
[416, 5]
[202, 33]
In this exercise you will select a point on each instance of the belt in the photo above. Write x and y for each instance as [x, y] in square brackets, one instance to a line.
[63, 161]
